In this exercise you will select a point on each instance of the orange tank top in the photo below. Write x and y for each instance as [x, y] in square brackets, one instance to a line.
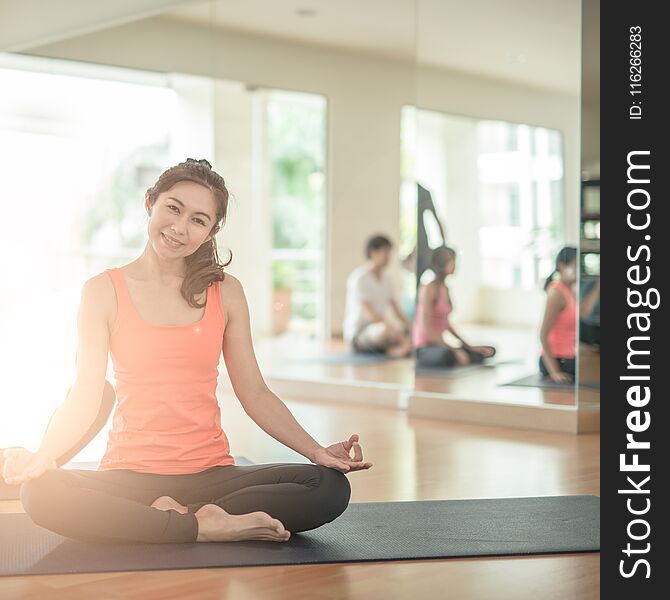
[167, 418]
[562, 337]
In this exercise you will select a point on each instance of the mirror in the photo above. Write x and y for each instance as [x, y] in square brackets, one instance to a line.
[589, 273]
[497, 169]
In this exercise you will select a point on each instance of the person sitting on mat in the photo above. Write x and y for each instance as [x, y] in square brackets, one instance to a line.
[558, 333]
[432, 320]
[370, 295]
[167, 474]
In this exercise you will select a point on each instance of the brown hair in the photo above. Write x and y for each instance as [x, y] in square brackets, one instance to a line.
[376, 242]
[565, 256]
[203, 267]
[439, 259]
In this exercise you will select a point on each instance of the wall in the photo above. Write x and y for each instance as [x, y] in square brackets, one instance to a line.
[365, 96]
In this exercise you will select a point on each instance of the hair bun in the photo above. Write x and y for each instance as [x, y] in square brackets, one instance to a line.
[202, 162]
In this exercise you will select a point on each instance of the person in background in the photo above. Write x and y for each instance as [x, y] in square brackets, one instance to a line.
[558, 333]
[370, 295]
[432, 320]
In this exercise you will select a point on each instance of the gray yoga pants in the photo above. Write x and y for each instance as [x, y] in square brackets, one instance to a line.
[115, 505]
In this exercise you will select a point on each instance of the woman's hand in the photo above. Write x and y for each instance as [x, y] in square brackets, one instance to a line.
[561, 377]
[21, 465]
[462, 357]
[395, 333]
[337, 456]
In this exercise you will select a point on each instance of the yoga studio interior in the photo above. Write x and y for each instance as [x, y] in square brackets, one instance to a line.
[471, 125]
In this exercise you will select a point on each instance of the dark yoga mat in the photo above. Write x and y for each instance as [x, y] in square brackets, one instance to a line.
[460, 370]
[448, 371]
[11, 492]
[367, 531]
[349, 358]
[536, 380]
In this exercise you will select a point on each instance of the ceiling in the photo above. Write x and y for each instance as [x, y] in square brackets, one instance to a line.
[533, 42]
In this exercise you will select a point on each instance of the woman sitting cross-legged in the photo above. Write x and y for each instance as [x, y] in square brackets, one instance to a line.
[558, 333]
[432, 320]
[167, 474]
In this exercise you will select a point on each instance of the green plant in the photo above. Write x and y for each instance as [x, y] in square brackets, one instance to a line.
[283, 276]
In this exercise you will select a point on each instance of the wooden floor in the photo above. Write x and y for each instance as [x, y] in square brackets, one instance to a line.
[414, 459]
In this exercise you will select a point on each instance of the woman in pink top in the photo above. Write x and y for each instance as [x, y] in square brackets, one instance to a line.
[432, 320]
[558, 333]
[167, 474]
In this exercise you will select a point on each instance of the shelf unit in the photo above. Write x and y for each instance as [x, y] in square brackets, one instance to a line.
[589, 246]
[590, 228]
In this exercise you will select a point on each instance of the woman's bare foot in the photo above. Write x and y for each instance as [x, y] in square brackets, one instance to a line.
[486, 351]
[216, 525]
[168, 503]
[401, 350]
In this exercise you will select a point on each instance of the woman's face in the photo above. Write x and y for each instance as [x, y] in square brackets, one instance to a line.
[569, 272]
[186, 213]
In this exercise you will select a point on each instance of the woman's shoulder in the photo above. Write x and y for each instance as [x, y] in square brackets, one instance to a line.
[231, 293]
[559, 288]
[555, 295]
[100, 284]
[429, 290]
[230, 284]
[99, 290]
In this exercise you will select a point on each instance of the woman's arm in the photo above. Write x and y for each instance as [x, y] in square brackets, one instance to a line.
[555, 304]
[264, 407]
[74, 417]
[76, 414]
[453, 331]
[457, 336]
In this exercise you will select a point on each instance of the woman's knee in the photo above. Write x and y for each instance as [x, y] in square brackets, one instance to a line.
[435, 356]
[37, 496]
[335, 492]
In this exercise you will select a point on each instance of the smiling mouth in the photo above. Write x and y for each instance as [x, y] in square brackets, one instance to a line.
[170, 241]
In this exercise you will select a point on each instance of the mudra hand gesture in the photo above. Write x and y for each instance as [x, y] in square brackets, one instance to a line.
[337, 456]
[19, 465]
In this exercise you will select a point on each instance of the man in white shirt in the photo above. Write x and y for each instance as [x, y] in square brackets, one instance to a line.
[370, 294]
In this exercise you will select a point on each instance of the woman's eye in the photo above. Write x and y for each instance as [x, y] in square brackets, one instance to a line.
[198, 220]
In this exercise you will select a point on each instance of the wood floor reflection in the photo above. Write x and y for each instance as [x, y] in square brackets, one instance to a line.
[518, 351]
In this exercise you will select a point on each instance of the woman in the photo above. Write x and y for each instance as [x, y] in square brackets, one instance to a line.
[432, 320]
[558, 333]
[167, 474]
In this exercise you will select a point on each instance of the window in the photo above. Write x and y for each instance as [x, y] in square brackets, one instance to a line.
[297, 148]
[77, 150]
[498, 190]
[521, 202]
